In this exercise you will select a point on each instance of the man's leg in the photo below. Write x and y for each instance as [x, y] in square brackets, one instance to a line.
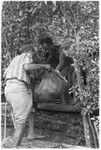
[31, 134]
[13, 119]
[18, 135]
[20, 99]
[16, 140]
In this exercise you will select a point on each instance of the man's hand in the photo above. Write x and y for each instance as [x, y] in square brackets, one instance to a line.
[57, 71]
[47, 66]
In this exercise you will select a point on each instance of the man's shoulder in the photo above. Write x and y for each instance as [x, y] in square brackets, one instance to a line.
[14, 58]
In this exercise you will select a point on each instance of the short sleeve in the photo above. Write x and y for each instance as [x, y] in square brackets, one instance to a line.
[28, 59]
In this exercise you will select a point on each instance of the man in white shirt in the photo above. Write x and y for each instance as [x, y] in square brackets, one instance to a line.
[18, 91]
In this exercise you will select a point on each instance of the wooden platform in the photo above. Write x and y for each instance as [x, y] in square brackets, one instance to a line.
[58, 107]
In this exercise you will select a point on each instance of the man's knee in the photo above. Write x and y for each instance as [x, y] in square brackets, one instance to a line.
[29, 107]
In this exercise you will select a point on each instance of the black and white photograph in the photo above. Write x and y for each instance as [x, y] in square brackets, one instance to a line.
[50, 74]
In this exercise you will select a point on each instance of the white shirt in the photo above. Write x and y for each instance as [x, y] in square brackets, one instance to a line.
[16, 68]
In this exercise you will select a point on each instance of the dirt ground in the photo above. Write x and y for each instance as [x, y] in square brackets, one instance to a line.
[60, 130]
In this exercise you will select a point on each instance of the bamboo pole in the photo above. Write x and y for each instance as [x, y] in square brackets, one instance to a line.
[5, 120]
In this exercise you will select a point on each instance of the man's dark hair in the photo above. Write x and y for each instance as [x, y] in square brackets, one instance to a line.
[47, 40]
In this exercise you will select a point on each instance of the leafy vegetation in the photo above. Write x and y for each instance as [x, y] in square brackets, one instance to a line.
[72, 24]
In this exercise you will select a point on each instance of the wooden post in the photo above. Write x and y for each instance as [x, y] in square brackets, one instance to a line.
[86, 128]
[5, 120]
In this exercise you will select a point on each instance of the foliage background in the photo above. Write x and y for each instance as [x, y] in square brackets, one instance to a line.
[72, 24]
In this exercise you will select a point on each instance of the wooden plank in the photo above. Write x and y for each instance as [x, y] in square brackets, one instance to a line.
[57, 107]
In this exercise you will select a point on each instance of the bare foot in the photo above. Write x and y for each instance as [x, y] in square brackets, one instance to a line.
[35, 136]
[7, 143]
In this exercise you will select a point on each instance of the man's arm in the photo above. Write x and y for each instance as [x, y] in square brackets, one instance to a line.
[29, 66]
[61, 61]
